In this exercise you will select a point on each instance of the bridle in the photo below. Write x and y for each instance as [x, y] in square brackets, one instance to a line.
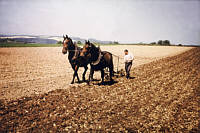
[67, 48]
[65, 44]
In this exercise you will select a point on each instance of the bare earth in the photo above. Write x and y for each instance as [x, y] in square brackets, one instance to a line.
[163, 96]
[29, 71]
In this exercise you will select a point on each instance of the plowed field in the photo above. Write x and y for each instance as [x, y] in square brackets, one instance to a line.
[163, 95]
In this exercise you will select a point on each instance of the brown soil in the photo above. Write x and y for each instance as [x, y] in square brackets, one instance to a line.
[163, 96]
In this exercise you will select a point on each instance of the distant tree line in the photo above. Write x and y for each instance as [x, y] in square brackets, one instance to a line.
[7, 40]
[79, 42]
[162, 42]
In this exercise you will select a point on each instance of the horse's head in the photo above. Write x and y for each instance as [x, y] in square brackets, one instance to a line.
[67, 44]
[86, 51]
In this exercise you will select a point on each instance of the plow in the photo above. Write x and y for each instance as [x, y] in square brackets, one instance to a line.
[116, 73]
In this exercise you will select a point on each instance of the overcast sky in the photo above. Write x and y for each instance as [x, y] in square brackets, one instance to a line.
[126, 21]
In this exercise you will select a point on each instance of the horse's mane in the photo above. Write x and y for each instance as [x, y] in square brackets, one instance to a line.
[75, 45]
[71, 42]
[95, 52]
[96, 48]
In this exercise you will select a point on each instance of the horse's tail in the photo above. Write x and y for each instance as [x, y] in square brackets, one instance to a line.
[112, 65]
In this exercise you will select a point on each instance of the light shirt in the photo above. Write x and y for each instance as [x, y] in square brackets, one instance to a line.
[128, 57]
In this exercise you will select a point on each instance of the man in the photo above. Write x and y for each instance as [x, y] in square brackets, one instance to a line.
[128, 59]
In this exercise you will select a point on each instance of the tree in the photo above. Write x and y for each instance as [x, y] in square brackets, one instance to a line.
[160, 42]
[59, 42]
[166, 42]
[79, 42]
[115, 42]
[153, 43]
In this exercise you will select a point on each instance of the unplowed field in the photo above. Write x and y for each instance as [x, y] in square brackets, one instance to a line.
[163, 95]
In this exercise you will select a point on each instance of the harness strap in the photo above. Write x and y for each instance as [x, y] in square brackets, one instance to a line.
[75, 54]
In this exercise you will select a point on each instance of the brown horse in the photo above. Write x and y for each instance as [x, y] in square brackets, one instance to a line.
[98, 60]
[74, 53]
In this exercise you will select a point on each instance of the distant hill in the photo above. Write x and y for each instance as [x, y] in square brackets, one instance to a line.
[41, 39]
[27, 39]
[99, 41]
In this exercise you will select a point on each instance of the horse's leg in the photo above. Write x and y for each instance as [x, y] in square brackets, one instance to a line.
[102, 76]
[86, 68]
[111, 73]
[91, 74]
[73, 77]
[76, 72]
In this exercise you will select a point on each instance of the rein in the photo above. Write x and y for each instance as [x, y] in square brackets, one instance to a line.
[73, 50]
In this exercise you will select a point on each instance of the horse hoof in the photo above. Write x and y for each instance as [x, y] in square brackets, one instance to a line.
[72, 82]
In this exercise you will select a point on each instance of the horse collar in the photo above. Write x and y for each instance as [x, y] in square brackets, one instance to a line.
[98, 60]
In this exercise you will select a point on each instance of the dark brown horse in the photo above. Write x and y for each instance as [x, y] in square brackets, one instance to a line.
[74, 53]
[98, 60]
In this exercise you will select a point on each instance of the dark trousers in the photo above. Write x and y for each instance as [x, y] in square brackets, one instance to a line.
[128, 66]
